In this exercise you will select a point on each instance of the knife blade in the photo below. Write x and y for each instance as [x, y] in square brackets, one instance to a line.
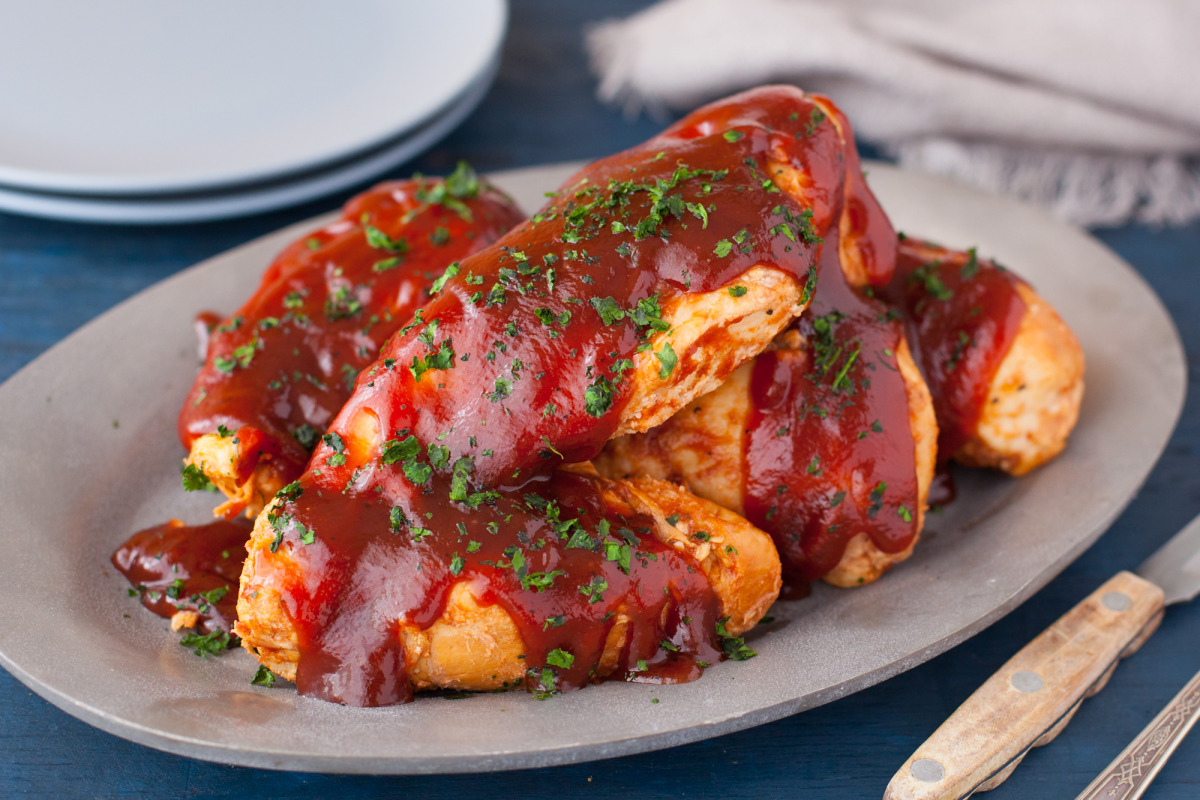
[1029, 700]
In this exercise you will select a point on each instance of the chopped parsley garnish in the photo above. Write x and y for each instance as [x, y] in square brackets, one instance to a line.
[381, 241]
[539, 581]
[264, 677]
[195, 480]
[503, 388]
[290, 492]
[667, 358]
[598, 397]
[560, 658]
[341, 304]
[734, 646]
[594, 589]
[339, 449]
[620, 553]
[440, 283]
[971, 268]
[927, 274]
[416, 472]
[210, 644]
[306, 435]
[608, 309]
[876, 499]
[215, 595]
[440, 359]
[400, 449]
[737, 291]
[548, 317]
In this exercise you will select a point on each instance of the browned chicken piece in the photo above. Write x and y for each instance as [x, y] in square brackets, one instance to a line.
[1033, 399]
[437, 505]
[278, 369]
[705, 446]
[474, 644]
[828, 442]
[1005, 371]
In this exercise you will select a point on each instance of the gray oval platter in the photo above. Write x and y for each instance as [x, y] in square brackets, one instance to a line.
[90, 453]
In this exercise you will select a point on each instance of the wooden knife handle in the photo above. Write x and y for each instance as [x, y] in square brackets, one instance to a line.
[1033, 696]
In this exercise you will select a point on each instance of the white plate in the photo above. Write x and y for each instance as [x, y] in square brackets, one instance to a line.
[163, 209]
[147, 96]
[88, 445]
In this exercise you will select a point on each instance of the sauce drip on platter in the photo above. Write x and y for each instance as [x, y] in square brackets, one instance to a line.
[183, 568]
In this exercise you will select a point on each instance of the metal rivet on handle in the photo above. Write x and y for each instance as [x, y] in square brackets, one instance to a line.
[927, 770]
[1027, 682]
[1116, 601]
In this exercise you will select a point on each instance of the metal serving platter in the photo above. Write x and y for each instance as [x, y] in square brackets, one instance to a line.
[88, 445]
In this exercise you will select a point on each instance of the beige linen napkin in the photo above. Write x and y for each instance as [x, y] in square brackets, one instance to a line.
[1089, 107]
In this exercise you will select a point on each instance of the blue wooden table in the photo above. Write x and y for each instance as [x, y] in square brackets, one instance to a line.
[55, 276]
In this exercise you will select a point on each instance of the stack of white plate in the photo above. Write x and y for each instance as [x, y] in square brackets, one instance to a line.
[156, 111]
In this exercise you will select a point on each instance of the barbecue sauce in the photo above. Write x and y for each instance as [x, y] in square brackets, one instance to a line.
[829, 451]
[517, 365]
[175, 567]
[962, 314]
[286, 361]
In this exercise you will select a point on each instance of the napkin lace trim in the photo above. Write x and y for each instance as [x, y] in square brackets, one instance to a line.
[1090, 189]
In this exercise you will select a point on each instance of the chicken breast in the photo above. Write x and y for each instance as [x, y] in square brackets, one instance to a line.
[437, 505]
[475, 642]
[277, 370]
[828, 442]
[1006, 373]
[705, 447]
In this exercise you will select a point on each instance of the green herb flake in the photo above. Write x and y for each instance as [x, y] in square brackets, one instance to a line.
[195, 480]
[210, 644]
[667, 359]
[263, 677]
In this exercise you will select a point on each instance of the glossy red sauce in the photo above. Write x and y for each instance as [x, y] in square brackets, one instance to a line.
[962, 315]
[174, 567]
[532, 552]
[829, 452]
[526, 373]
[286, 361]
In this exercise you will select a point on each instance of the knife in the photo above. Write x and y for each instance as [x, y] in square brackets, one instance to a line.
[1034, 695]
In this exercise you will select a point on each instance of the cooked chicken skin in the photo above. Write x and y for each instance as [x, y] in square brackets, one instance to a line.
[476, 646]
[416, 550]
[1008, 395]
[711, 334]
[704, 447]
[707, 445]
[218, 458]
[278, 369]
[1034, 398]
